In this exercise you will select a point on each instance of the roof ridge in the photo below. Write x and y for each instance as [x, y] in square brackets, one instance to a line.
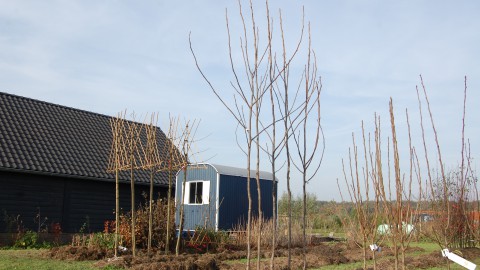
[56, 104]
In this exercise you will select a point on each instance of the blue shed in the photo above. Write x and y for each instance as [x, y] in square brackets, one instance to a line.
[216, 196]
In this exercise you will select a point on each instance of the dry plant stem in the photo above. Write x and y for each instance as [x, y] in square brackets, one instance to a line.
[442, 170]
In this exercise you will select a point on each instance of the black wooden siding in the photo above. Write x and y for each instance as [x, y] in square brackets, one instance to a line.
[68, 201]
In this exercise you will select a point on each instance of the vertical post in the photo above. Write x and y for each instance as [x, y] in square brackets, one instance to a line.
[117, 193]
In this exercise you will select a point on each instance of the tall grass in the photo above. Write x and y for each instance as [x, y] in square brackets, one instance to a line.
[267, 230]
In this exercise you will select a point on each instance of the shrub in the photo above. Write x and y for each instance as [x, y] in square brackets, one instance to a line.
[206, 239]
[95, 240]
[27, 239]
[159, 226]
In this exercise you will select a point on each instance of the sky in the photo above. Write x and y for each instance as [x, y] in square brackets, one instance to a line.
[108, 56]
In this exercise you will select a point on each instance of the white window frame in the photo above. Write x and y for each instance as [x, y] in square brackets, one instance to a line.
[205, 192]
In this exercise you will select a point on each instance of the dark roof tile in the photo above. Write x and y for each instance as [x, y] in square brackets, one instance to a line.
[41, 137]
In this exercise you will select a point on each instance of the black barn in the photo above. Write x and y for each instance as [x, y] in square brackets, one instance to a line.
[53, 162]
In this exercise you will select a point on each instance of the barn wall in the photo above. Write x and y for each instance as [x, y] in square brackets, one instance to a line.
[25, 197]
[197, 215]
[234, 207]
[71, 202]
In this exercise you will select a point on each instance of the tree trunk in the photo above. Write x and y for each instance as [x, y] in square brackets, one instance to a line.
[249, 194]
[132, 188]
[169, 205]
[304, 248]
[117, 210]
[180, 227]
[150, 211]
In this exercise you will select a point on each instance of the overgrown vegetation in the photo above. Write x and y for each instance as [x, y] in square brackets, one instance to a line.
[159, 225]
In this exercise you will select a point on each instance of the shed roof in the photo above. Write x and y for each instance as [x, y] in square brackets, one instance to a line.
[45, 138]
[228, 170]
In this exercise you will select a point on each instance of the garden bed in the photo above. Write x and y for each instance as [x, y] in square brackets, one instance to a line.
[318, 255]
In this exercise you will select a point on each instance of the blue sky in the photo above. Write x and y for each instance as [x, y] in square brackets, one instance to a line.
[107, 56]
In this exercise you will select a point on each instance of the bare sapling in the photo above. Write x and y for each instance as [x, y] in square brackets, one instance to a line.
[396, 196]
[373, 175]
[286, 109]
[187, 136]
[133, 138]
[393, 200]
[309, 144]
[173, 161]
[116, 162]
[151, 161]
[256, 77]
[359, 183]
[453, 194]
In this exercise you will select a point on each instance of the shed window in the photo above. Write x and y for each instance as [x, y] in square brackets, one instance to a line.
[196, 191]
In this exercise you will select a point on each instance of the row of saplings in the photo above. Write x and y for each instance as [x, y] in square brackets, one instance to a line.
[204, 249]
[96, 246]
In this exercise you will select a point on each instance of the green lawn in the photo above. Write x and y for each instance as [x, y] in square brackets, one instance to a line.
[34, 259]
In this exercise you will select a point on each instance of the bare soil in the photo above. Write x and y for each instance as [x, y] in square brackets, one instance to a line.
[318, 255]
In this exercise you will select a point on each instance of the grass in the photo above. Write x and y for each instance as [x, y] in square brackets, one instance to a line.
[35, 259]
[427, 246]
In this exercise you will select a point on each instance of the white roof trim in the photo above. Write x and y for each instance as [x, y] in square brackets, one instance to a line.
[228, 170]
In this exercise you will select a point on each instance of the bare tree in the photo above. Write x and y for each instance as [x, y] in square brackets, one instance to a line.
[287, 109]
[311, 107]
[249, 95]
[259, 77]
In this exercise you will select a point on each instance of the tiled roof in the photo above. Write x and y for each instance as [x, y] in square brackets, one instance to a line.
[45, 138]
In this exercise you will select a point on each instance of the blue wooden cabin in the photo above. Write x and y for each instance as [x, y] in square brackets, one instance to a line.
[216, 196]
